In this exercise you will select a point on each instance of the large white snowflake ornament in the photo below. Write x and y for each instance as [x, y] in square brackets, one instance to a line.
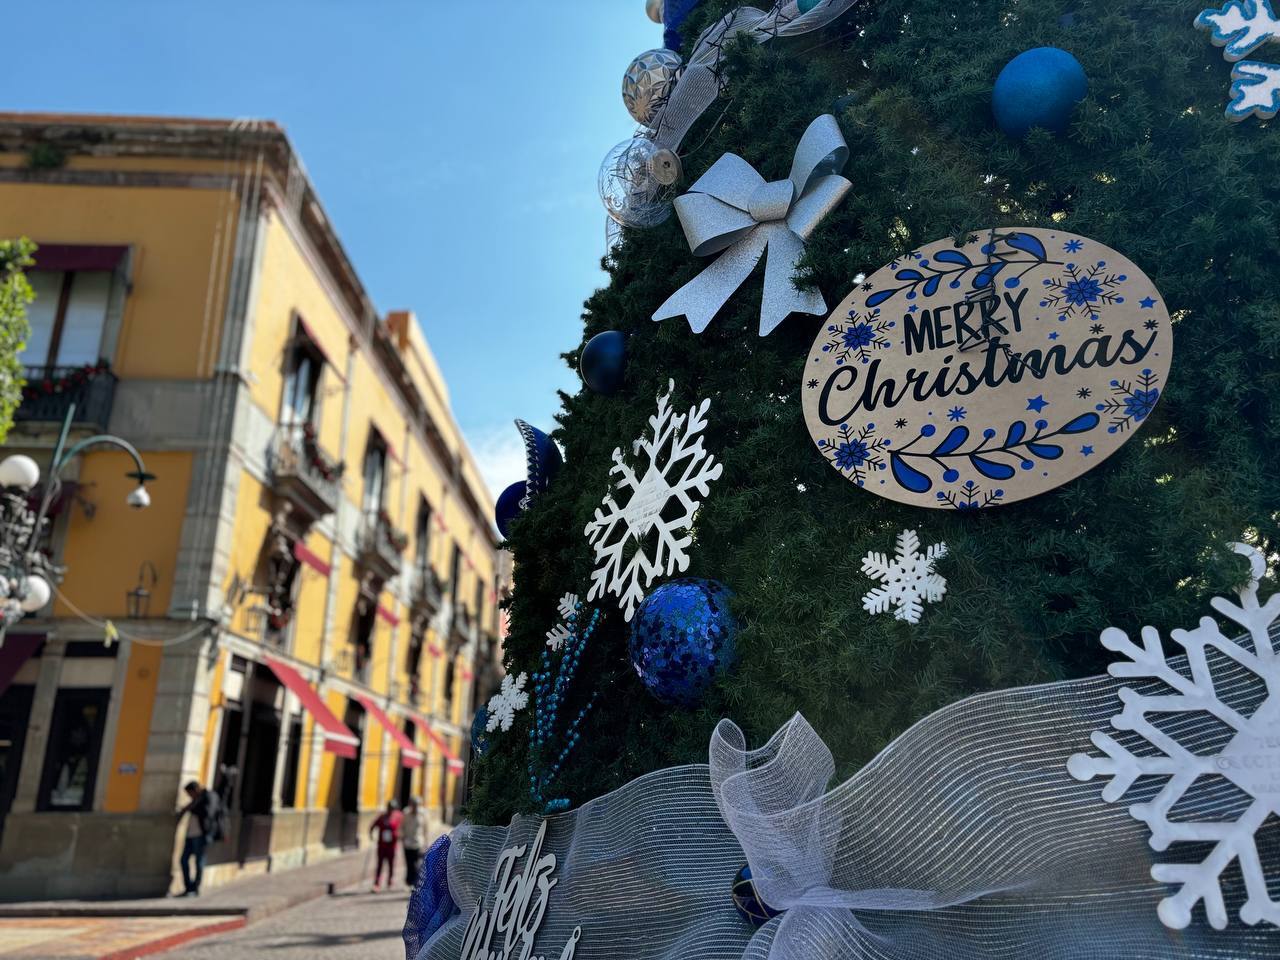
[661, 501]
[1250, 760]
[908, 580]
[510, 699]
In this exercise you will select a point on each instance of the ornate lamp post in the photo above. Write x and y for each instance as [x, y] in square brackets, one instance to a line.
[25, 572]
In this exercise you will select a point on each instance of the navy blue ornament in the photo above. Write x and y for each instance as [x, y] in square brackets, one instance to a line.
[747, 900]
[1038, 88]
[682, 639]
[603, 362]
[542, 458]
[480, 741]
[508, 506]
[806, 5]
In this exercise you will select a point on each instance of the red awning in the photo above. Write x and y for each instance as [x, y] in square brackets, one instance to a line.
[77, 256]
[17, 650]
[410, 755]
[337, 738]
[451, 758]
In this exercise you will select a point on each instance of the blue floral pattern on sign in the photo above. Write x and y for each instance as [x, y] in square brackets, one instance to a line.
[858, 337]
[1132, 401]
[856, 454]
[1083, 293]
[970, 496]
[992, 460]
[926, 276]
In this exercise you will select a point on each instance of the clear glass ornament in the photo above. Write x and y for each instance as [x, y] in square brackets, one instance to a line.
[632, 196]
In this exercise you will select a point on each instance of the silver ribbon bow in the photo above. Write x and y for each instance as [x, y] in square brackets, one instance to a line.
[732, 209]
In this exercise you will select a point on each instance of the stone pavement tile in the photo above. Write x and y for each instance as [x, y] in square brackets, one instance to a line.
[103, 938]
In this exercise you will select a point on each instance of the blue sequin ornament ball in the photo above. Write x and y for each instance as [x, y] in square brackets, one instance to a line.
[746, 898]
[508, 506]
[682, 639]
[1038, 88]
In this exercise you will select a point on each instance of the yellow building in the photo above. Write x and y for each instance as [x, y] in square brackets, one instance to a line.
[308, 609]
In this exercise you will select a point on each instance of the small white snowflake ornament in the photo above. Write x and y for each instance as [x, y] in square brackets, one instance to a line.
[1250, 760]
[908, 580]
[510, 699]
[678, 467]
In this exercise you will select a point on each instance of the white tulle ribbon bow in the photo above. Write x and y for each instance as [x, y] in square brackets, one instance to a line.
[731, 208]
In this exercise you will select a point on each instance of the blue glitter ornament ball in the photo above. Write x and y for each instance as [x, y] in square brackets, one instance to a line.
[682, 638]
[1038, 88]
[747, 900]
[603, 361]
[508, 506]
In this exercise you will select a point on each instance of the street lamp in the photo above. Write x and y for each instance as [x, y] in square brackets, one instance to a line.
[24, 571]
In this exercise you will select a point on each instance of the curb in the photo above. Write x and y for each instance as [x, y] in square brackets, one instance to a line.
[163, 944]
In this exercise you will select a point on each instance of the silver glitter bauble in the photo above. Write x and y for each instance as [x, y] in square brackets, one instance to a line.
[654, 9]
[649, 81]
[631, 194]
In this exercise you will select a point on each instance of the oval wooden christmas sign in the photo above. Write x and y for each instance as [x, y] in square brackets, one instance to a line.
[974, 376]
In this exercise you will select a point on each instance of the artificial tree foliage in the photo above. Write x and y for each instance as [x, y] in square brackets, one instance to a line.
[1149, 166]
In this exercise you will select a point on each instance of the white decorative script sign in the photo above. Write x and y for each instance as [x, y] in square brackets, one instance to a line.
[508, 929]
[979, 375]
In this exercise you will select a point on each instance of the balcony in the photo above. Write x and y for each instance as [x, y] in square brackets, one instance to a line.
[303, 473]
[50, 391]
[427, 592]
[463, 630]
[379, 546]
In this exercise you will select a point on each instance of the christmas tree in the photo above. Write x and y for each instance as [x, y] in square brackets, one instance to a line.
[1147, 166]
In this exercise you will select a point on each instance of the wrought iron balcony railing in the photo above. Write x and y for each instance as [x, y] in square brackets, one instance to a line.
[50, 390]
[427, 591]
[380, 546]
[303, 472]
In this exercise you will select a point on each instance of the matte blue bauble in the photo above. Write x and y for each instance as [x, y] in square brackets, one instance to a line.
[807, 5]
[603, 362]
[508, 506]
[747, 900]
[682, 639]
[1038, 88]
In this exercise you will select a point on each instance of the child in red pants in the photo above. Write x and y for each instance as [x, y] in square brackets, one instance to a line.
[386, 831]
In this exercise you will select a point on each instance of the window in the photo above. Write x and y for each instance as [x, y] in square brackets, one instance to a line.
[301, 382]
[422, 539]
[67, 317]
[449, 672]
[15, 713]
[478, 610]
[362, 624]
[75, 741]
[375, 475]
[455, 573]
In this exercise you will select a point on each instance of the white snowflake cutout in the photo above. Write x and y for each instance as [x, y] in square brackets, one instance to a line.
[568, 606]
[1250, 760]
[510, 699]
[1240, 26]
[909, 580]
[557, 635]
[678, 467]
[1255, 90]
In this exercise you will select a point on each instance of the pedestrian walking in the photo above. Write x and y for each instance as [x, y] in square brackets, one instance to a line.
[414, 828]
[203, 827]
[386, 830]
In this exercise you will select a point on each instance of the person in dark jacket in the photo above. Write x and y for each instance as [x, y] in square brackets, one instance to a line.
[202, 827]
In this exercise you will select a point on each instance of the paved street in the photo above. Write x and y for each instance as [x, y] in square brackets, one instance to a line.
[356, 925]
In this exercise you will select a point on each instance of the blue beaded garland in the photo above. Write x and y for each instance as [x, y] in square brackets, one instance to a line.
[682, 638]
[1038, 88]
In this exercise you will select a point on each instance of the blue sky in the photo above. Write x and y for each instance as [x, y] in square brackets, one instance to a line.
[454, 146]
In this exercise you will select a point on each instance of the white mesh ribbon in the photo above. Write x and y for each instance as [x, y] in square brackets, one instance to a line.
[965, 839]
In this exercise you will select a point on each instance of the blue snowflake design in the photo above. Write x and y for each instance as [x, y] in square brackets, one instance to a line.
[1083, 292]
[925, 276]
[957, 413]
[858, 337]
[1073, 246]
[991, 457]
[1131, 402]
[970, 496]
[856, 454]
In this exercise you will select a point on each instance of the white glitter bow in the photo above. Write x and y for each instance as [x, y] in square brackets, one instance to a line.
[732, 208]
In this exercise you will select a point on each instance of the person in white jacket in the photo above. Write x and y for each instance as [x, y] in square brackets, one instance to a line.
[413, 830]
